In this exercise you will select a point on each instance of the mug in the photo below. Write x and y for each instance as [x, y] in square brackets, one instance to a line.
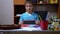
[44, 24]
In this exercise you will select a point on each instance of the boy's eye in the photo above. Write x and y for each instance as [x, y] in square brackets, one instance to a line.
[28, 6]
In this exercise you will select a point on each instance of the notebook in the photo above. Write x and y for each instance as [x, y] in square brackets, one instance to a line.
[29, 22]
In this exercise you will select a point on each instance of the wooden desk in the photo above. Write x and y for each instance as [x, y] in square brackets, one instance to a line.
[21, 31]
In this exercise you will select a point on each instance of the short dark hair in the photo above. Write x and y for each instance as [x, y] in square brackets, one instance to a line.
[28, 2]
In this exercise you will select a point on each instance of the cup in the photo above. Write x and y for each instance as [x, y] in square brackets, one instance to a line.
[44, 24]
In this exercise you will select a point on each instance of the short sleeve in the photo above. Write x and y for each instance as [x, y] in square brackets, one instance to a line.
[37, 18]
[21, 18]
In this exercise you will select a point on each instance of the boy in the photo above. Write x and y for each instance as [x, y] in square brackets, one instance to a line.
[29, 14]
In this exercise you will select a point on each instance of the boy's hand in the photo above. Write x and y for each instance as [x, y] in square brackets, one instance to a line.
[37, 22]
[21, 22]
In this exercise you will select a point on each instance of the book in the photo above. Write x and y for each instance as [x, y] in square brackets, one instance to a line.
[53, 1]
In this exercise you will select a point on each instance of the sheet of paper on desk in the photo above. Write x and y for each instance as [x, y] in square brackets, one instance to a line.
[29, 28]
[32, 28]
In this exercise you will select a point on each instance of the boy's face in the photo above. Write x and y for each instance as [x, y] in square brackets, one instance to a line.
[29, 7]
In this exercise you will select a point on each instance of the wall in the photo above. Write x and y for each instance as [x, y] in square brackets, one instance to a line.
[6, 12]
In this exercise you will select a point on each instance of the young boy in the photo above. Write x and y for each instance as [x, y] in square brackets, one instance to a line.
[29, 14]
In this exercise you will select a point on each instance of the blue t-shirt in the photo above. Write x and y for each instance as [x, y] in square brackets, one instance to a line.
[27, 16]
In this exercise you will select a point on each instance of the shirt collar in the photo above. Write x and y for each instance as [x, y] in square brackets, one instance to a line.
[29, 13]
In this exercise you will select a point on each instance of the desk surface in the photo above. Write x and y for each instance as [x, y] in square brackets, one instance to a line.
[30, 28]
[20, 30]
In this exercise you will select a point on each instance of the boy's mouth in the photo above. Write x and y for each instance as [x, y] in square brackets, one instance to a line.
[29, 9]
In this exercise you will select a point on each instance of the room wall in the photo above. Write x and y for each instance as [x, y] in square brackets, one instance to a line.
[6, 12]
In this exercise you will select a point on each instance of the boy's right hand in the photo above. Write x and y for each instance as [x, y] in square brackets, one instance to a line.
[21, 22]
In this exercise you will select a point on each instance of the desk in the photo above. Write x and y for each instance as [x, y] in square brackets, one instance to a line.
[27, 31]
[25, 27]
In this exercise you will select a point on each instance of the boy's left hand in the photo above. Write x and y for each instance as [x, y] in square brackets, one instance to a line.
[37, 22]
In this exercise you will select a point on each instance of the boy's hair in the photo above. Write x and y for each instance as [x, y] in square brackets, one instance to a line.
[28, 2]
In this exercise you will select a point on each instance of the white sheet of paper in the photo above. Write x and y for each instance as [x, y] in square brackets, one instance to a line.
[31, 28]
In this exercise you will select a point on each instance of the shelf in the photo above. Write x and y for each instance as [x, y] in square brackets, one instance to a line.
[43, 4]
[47, 3]
[19, 2]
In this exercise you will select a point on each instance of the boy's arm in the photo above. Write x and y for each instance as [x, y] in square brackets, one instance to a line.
[21, 20]
[37, 20]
